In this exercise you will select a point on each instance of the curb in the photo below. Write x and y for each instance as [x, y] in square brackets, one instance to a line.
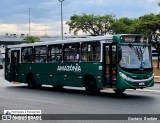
[156, 82]
[156, 79]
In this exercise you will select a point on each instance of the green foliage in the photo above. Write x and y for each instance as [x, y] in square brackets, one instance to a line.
[149, 24]
[123, 25]
[31, 39]
[94, 25]
[100, 25]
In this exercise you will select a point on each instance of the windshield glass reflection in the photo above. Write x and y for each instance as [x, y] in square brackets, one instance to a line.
[136, 57]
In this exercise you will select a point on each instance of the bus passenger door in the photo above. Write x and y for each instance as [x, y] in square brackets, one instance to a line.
[7, 64]
[15, 55]
[109, 64]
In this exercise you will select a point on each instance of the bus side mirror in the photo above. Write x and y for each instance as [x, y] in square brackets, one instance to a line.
[119, 54]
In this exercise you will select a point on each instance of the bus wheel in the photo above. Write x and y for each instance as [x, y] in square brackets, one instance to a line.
[91, 86]
[31, 82]
[57, 87]
[119, 91]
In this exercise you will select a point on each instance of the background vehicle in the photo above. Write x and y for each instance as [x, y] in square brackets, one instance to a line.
[119, 62]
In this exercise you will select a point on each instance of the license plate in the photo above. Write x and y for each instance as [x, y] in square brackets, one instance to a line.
[141, 83]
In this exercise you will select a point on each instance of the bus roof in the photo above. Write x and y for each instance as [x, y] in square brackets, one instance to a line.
[96, 38]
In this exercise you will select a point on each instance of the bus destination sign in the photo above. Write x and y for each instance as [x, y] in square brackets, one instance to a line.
[134, 39]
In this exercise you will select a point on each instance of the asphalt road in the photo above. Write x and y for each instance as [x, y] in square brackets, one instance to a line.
[75, 101]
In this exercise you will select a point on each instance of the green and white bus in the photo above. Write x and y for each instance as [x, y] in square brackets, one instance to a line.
[120, 62]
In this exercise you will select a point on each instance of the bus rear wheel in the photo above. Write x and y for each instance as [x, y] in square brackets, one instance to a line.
[91, 86]
[119, 91]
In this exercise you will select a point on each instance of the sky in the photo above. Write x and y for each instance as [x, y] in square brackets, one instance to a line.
[45, 15]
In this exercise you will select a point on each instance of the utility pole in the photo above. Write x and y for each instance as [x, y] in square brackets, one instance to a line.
[29, 21]
[61, 18]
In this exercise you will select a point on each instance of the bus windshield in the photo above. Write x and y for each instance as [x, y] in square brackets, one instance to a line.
[136, 57]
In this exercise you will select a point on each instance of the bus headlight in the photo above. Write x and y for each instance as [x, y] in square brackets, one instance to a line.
[122, 75]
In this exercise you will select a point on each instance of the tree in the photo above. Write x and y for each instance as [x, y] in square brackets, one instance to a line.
[94, 25]
[123, 25]
[31, 39]
[148, 24]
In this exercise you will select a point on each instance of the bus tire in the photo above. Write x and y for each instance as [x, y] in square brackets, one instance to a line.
[1, 67]
[91, 86]
[31, 82]
[119, 91]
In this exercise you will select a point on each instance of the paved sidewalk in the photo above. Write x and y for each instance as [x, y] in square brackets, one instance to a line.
[157, 79]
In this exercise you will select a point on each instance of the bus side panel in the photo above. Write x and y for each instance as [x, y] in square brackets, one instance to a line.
[73, 73]
[67, 74]
[94, 69]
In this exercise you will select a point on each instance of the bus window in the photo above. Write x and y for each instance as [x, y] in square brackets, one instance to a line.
[8, 55]
[107, 55]
[71, 52]
[55, 53]
[113, 54]
[40, 54]
[91, 51]
[27, 55]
